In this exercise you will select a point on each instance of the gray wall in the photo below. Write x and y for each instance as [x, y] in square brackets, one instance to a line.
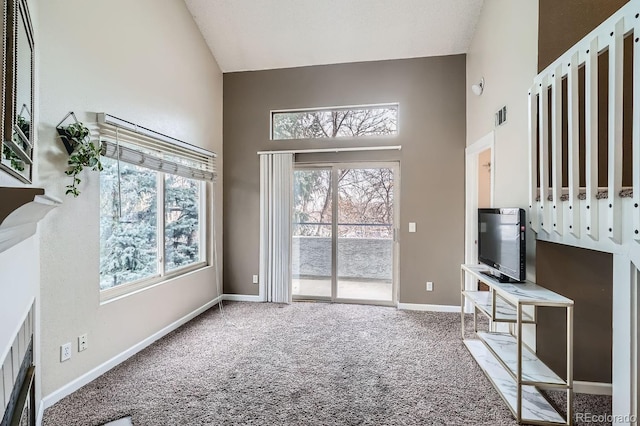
[431, 94]
[586, 277]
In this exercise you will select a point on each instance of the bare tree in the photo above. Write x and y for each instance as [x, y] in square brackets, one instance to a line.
[335, 123]
[366, 195]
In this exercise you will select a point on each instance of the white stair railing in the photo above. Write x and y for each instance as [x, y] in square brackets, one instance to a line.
[603, 218]
[568, 213]
[636, 131]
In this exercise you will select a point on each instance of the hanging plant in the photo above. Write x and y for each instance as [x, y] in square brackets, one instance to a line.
[82, 153]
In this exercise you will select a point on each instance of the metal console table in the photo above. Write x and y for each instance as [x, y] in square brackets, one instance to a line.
[513, 368]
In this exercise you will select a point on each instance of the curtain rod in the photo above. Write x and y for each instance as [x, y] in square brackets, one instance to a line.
[354, 148]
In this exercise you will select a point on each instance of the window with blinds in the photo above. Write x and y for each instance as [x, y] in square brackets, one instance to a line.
[152, 206]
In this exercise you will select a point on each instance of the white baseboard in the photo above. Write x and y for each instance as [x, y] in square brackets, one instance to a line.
[428, 308]
[76, 384]
[241, 298]
[593, 388]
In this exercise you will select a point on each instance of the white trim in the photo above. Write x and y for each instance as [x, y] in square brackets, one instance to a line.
[22, 222]
[40, 413]
[243, 298]
[88, 377]
[336, 107]
[338, 149]
[124, 290]
[592, 388]
[471, 201]
[487, 141]
[428, 308]
[624, 301]
[16, 331]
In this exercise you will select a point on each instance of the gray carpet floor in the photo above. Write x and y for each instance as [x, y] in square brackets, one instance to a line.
[300, 364]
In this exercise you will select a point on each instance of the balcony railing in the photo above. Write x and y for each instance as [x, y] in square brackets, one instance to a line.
[345, 229]
[364, 251]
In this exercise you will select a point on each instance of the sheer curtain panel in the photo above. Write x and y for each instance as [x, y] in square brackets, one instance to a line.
[276, 195]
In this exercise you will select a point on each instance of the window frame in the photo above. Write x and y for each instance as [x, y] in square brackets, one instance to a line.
[162, 276]
[396, 105]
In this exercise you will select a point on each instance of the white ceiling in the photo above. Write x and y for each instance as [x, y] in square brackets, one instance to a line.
[266, 34]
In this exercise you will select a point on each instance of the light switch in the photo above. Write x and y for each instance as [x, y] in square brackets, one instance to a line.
[412, 227]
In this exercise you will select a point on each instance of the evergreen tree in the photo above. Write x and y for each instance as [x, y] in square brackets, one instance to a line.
[129, 224]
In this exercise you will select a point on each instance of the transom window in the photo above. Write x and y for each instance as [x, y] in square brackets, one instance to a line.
[374, 120]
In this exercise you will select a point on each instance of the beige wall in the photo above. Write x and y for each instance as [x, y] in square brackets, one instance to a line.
[431, 93]
[504, 51]
[144, 61]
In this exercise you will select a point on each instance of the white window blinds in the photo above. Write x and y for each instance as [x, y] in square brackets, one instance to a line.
[128, 142]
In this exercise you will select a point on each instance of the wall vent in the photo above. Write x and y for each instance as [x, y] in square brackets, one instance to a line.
[501, 116]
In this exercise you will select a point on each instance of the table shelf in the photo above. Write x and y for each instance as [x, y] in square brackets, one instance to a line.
[497, 354]
[535, 407]
[534, 371]
[505, 312]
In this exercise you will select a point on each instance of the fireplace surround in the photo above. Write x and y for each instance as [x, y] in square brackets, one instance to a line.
[17, 377]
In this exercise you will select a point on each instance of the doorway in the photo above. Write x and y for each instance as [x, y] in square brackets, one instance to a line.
[344, 246]
[479, 190]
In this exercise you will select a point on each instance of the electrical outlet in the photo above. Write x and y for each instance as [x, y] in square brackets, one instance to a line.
[429, 286]
[255, 279]
[82, 342]
[65, 352]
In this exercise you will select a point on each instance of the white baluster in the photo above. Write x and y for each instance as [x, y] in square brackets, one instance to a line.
[591, 138]
[616, 58]
[556, 149]
[574, 145]
[635, 229]
[545, 217]
[533, 160]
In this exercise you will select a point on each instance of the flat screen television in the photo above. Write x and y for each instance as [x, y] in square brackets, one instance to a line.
[501, 242]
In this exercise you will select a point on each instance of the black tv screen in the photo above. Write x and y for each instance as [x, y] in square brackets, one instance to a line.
[501, 242]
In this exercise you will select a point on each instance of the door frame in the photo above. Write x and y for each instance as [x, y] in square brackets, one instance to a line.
[472, 153]
[394, 165]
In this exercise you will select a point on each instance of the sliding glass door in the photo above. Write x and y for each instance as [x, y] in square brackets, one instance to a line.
[343, 233]
[312, 263]
[365, 234]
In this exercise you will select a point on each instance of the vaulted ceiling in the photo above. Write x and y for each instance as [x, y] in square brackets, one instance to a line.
[266, 34]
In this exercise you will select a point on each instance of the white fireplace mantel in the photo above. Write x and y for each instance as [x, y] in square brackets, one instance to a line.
[20, 211]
